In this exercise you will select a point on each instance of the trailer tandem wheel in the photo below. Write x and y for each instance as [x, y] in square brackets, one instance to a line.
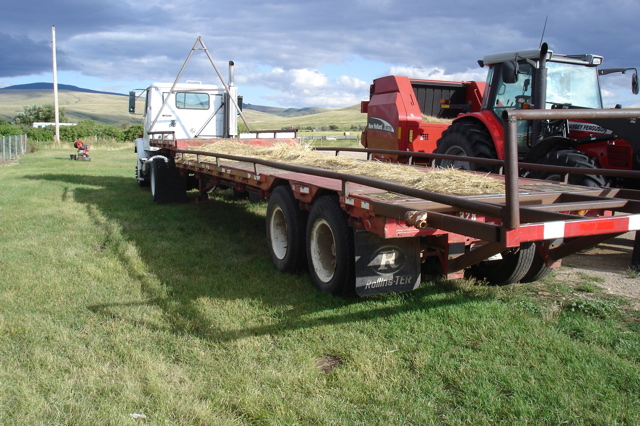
[537, 271]
[330, 252]
[285, 230]
[510, 269]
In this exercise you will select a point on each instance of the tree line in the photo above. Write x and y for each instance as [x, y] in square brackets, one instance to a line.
[23, 124]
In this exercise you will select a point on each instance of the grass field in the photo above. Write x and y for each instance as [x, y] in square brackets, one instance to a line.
[113, 308]
[343, 118]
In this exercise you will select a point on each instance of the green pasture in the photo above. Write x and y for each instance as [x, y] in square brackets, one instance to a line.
[116, 311]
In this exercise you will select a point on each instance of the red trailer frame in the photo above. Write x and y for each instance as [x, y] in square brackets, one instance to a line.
[551, 220]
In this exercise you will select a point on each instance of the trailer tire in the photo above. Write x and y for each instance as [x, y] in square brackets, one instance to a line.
[568, 158]
[286, 230]
[537, 271]
[470, 140]
[330, 248]
[511, 269]
[167, 185]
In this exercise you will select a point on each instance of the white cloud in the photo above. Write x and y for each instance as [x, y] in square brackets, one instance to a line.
[306, 78]
[608, 94]
[352, 83]
[304, 87]
[437, 73]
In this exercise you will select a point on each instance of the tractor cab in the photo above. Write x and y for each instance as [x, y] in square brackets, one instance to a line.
[540, 79]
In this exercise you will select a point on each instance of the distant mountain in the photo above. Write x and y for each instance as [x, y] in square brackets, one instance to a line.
[285, 112]
[49, 86]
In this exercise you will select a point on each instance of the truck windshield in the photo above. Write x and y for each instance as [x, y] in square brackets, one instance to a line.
[572, 85]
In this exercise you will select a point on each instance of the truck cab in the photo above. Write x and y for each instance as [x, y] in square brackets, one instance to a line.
[183, 111]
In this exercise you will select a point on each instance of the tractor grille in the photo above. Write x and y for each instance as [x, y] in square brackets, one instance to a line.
[619, 157]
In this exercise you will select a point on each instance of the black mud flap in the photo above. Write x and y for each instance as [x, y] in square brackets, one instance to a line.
[386, 266]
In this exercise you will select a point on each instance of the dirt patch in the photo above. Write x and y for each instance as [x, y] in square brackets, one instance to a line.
[611, 263]
[326, 363]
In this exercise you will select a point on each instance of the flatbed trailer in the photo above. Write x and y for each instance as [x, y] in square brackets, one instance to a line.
[358, 233]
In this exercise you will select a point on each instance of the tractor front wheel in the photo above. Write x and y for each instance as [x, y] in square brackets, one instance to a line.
[568, 158]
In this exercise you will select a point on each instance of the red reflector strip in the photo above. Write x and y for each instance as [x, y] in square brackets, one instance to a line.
[573, 228]
[357, 203]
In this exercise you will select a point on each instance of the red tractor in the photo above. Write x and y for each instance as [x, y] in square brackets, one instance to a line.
[403, 113]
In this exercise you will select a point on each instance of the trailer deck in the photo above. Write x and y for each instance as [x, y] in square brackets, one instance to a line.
[462, 230]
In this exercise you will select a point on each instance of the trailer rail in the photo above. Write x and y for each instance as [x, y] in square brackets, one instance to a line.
[532, 219]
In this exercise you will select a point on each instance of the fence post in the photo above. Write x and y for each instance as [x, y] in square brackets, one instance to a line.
[13, 147]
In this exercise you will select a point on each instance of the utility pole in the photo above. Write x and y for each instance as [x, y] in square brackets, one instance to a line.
[55, 86]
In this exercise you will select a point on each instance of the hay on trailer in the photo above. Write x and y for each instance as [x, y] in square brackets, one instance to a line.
[444, 181]
[437, 120]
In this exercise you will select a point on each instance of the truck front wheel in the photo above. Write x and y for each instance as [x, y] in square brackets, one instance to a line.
[167, 185]
[285, 230]
[330, 252]
[469, 140]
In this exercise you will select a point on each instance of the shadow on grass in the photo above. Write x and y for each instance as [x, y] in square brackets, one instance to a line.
[215, 250]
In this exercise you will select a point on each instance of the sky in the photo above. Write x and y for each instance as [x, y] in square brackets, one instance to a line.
[302, 53]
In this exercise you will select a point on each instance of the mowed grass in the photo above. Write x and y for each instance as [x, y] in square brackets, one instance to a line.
[113, 308]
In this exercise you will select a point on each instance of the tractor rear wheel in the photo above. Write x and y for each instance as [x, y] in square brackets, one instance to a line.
[470, 140]
[568, 158]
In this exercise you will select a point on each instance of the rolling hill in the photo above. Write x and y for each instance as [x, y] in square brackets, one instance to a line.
[107, 108]
[285, 112]
[112, 108]
[49, 86]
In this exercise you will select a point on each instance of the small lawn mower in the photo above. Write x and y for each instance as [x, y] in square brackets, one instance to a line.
[83, 152]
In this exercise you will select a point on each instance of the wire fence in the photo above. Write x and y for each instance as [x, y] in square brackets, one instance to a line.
[13, 147]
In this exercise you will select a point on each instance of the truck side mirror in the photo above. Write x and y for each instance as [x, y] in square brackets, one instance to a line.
[634, 84]
[510, 72]
[132, 102]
